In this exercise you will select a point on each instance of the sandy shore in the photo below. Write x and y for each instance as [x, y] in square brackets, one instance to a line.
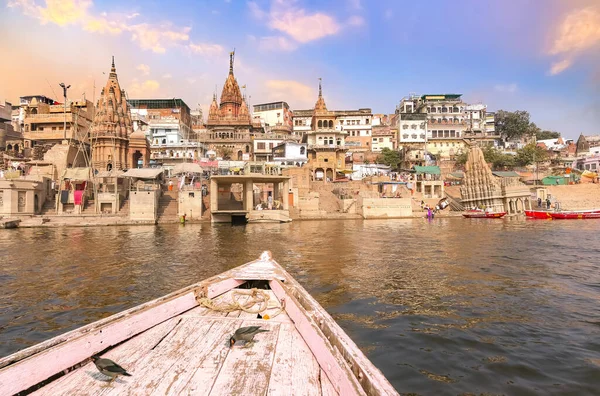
[576, 196]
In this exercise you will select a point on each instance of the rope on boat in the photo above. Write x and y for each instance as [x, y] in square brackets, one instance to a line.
[255, 297]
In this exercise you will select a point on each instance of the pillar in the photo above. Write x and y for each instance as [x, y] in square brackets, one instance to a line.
[286, 191]
[248, 195]
[214, 195]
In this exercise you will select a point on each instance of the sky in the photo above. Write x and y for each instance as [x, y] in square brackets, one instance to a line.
[542, 56]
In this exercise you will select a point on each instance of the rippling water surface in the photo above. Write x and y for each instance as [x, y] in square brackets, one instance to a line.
[450, 306]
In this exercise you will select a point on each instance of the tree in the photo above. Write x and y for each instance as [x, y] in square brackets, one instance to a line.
[389, 157]
[461, 158]
[225, 153]
[515, 124]
[530, 154]
[543, 135]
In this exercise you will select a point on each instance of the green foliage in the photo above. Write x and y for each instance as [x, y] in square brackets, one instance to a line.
[461, 158]
[225, 152]
[498, 159]
[389, 157]
[530, 154]
[543, 135]
[514, 124]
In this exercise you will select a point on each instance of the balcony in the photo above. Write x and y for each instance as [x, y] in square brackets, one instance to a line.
[326, 146]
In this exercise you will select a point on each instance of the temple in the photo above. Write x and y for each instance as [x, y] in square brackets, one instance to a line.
[326, 143]
[483, 189]
[114, 145]
[229, 126]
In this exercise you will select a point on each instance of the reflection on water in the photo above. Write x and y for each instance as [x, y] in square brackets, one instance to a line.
[450, 306]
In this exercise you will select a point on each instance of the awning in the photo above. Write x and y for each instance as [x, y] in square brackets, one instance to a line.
[76, 174]
[431, 170]
[143, 173]
[187, 167]
[345, 171]
[506, 174]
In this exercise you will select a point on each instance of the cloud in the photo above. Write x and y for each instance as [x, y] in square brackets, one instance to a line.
[300, 25]
[206, 49]
[510, 88]
[145, 69]
[355, 4]
[388, 14]
[145, 89]
[355, 21]
[559, 67]
[158, 38]
[167, 76]
[578, 32]
[276, 43]
[283, 89]
[148, 36]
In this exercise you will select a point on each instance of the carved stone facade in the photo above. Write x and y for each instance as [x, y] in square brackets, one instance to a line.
[112, 127]
[482, 189]
[229, 128]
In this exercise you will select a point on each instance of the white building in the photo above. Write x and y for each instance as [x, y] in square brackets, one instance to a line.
[263, 148]
[301, 122]
[274, 113]
[291, 153]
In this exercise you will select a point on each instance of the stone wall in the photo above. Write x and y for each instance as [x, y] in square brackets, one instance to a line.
[143, 205]
[22, 197]
[371, 208]
[190, 204]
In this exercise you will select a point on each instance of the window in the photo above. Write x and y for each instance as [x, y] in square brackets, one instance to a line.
[341, 122]
[414, 136]
[433, 134]
[302, 150]
[452, 133]
[374, 139]
[330, 123]
[270, 146]
[431, 109]
[320, 124]
[260, 146]
[405, 126]
[380, 139]
[422, 126]
[413, 126]
[367, 121]
[444, 109]
[405, 136]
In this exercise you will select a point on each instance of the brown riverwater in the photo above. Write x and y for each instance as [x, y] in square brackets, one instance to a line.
[451, 306]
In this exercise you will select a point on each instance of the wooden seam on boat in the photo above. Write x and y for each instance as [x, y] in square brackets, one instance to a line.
[371, 378]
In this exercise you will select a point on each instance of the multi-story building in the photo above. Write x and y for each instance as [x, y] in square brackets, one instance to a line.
[290, 154]
[274, 113]
[302, 122]
[358, 125]
[229, 127]
[169, 130]
[10, 139]
[44, 123]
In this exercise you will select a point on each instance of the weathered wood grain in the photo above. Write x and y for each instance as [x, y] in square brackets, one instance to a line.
[327, 388]
[295, 370]
[35, 369]
[87, 380]
[247, 370]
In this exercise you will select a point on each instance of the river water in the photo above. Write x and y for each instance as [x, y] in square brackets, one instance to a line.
[451, 306]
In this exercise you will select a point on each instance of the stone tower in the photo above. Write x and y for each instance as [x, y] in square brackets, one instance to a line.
[112, 127]
[480, 187]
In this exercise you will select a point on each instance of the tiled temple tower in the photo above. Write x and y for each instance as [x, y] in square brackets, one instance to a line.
[111, 127]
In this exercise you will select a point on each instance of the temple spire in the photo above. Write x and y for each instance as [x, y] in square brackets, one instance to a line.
[113, 69]
[320, 90]
[231, 56]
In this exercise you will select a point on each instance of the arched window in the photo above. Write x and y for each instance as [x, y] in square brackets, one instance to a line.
[164, 141]
[320, 124]
[330, 124]
[247, 148]
[302, 150]
[456, 110]
[444, 109]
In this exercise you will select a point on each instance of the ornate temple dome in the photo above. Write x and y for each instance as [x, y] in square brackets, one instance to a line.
[231, 90]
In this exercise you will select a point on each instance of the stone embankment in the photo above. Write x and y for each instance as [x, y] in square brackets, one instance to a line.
[576, 196]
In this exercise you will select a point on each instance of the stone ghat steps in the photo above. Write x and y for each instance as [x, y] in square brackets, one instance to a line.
[167, 206]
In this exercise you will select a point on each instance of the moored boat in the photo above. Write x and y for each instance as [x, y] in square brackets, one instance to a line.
[480, 214]
[575, 215]
[180, 344]
[564, 214]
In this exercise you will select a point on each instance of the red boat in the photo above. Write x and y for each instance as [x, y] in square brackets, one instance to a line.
[575, 215]
[480, 214]
[538, 214]
[567, 214]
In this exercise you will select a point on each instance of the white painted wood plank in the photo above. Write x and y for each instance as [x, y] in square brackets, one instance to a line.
[295, 370]
[88, 380]
[41, 366]
[247, 370]
[202, 361]
[149, 371]
[327, 388]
